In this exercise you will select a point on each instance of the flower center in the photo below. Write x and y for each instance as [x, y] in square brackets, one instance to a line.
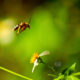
[34, 57]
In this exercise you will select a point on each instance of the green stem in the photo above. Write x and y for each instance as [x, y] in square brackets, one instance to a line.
[49, 66]
[14, 73]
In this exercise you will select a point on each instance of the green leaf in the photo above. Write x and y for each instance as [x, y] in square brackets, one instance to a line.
[73, 67]
[76, 74]
[68, 74]
[59, 78]
[72, 78]
[70, 70]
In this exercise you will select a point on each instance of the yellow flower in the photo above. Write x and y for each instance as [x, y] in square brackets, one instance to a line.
[34, 57]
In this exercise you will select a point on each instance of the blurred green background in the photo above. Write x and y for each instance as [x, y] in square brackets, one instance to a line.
[55, 26]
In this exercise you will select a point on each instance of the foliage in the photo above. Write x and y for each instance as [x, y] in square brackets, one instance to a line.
[67, 74]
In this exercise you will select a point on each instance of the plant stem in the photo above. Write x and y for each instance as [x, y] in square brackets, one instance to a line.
[49, 67]
[14, 73]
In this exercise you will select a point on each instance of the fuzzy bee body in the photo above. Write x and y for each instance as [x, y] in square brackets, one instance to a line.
[21, 27]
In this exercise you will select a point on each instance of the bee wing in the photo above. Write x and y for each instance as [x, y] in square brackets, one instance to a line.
[35, 64]
[44, 53]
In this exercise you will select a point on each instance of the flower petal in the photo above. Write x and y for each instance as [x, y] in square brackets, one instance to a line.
[35, 64]
[44, 53]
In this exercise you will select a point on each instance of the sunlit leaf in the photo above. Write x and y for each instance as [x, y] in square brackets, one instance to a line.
[73, 67]
[76, 74]
[72, 78]
[70, 70]
[59, 78]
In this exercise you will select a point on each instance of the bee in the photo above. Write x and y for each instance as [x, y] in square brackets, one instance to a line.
[21, 27]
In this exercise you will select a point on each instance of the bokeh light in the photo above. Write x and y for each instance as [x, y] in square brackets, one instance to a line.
[6, 35]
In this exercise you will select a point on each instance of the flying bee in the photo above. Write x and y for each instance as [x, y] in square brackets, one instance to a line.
[21, 27]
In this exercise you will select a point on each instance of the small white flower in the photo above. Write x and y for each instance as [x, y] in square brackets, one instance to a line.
[35, 59]
[35, 64]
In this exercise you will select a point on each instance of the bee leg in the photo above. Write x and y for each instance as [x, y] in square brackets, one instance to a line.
[19, 30]
[22, 29]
